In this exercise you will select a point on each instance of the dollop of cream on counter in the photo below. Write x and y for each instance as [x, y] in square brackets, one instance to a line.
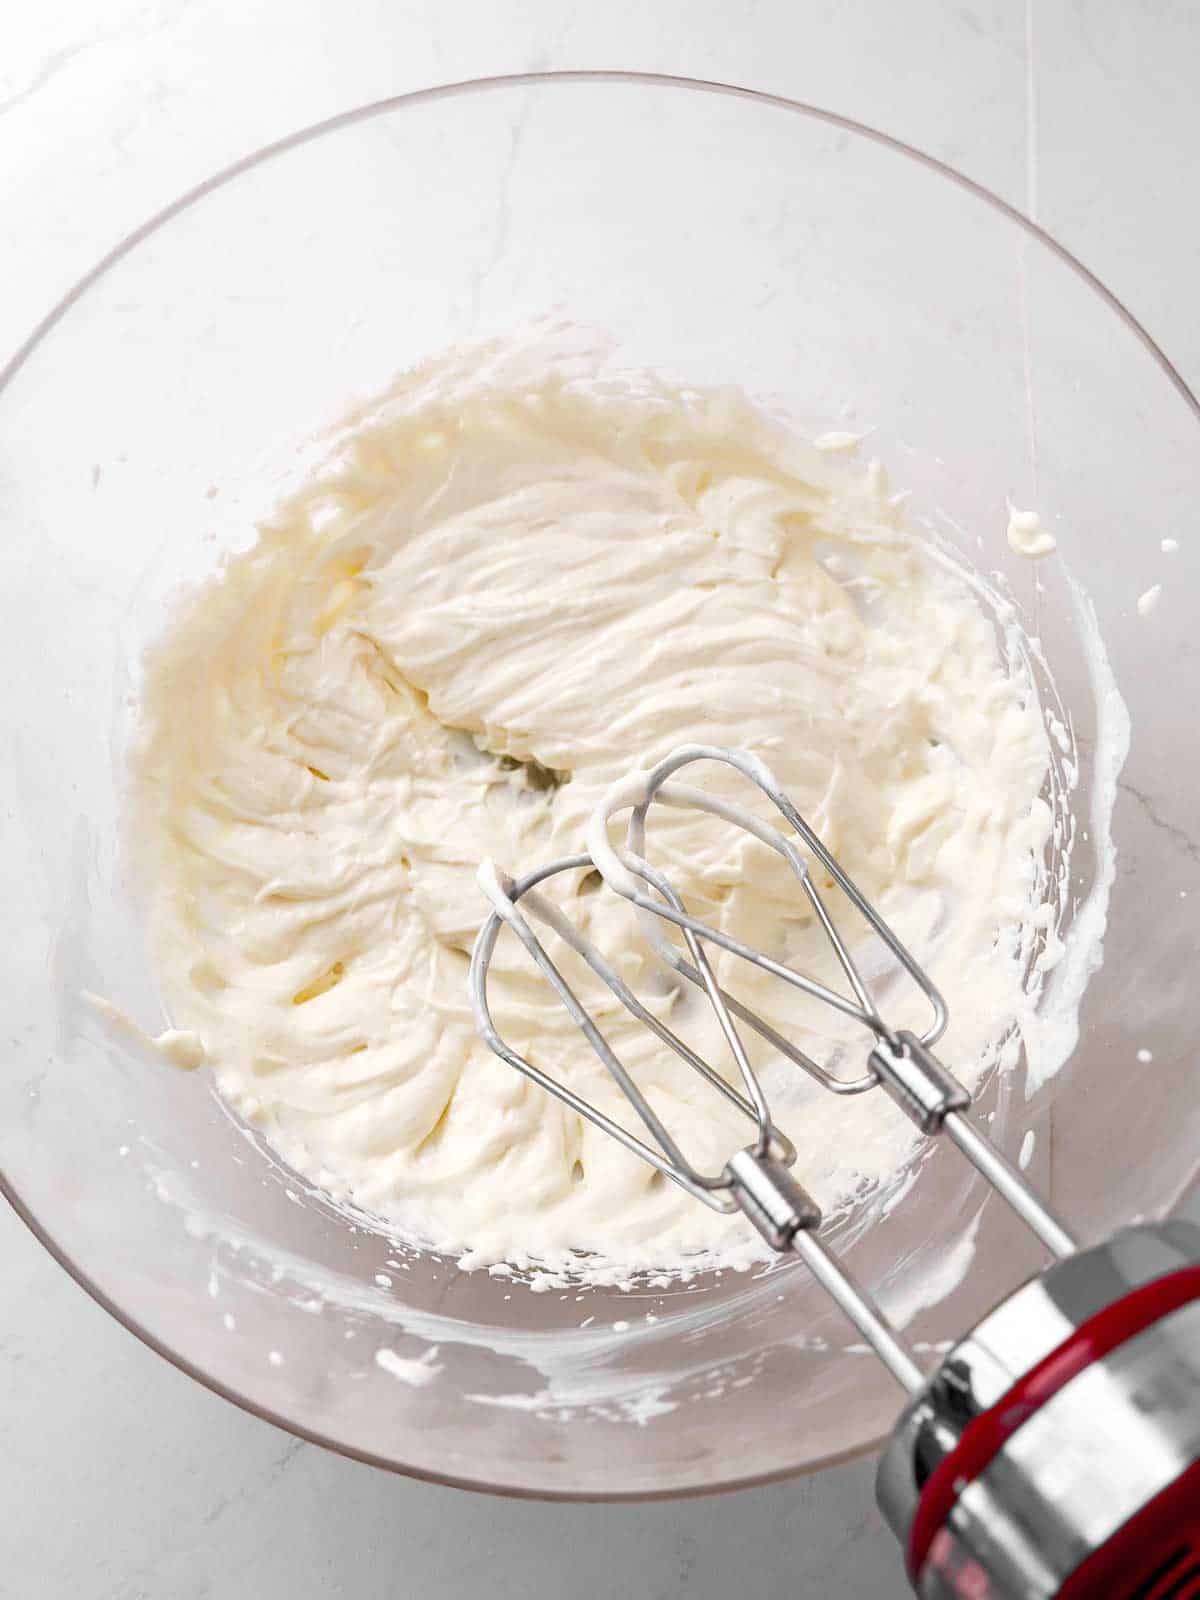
[521, 572]
[1027, 537]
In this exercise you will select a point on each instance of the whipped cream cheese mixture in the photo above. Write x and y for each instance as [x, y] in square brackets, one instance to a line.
[521, 572]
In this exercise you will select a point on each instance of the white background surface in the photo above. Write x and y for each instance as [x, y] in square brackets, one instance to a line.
[121, 1479]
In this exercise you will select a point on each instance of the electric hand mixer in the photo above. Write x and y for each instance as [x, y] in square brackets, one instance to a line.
[1055, 1451]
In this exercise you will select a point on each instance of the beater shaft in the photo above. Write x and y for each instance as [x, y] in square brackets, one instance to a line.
[934, 1099]
[1008, 1182]
[788, 1217]
[861, 1309]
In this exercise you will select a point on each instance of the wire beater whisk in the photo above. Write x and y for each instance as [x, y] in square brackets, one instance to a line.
[756, 1178]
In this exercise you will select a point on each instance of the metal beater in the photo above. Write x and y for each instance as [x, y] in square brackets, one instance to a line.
[1055, 1451]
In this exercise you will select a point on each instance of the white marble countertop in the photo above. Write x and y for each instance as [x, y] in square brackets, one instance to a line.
[122, 1479]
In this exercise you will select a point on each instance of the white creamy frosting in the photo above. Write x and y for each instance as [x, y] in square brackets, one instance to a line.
[520, 574]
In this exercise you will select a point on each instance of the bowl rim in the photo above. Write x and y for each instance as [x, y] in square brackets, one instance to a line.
[311, 132]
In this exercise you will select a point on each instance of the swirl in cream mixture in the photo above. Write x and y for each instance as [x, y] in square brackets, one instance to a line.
[520, 573]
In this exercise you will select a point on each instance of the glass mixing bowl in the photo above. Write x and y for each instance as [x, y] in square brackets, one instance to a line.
[724, 236]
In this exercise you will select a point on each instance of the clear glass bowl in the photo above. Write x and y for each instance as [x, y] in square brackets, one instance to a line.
[724, 236]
